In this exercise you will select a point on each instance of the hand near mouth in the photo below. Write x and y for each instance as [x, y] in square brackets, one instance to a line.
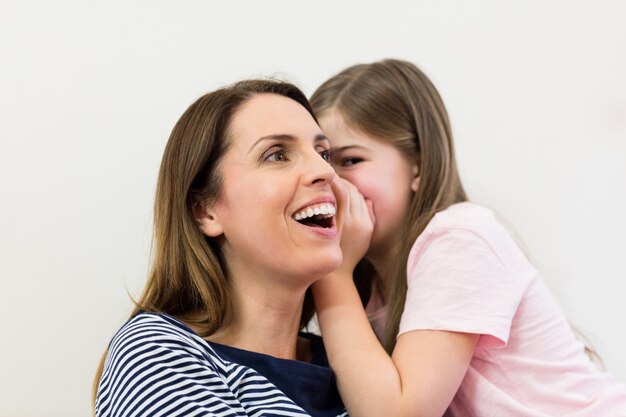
[355, 221]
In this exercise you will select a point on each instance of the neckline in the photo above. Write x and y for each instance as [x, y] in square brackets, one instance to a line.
[318, 356]
[316, 346]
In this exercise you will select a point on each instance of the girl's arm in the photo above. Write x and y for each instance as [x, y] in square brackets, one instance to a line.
[426, 368]
[421, 377]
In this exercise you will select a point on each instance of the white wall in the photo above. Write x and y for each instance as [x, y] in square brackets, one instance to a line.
[89, 92]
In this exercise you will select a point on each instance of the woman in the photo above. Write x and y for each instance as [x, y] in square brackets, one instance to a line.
[469, 324]
[244, 223]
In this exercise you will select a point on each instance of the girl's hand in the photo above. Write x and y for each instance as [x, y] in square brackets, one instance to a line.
[355, 221]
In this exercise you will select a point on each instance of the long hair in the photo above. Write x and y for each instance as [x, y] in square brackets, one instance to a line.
[395, 101]
[187, 278]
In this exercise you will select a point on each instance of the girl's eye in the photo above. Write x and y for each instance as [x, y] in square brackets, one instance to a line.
[347, 162]
[279, 155]
[325, 155]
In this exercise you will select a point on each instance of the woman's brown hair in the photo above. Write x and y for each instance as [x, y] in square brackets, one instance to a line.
[187, 278]
[395, 101]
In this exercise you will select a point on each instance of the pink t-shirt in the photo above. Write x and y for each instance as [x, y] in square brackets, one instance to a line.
[466, 274]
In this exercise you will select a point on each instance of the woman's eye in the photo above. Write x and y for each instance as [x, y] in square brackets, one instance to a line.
[347, 162]
[279, 155]
[325, 155]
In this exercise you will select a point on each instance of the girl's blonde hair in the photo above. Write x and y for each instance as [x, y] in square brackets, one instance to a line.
[187, 278]
[395, 101]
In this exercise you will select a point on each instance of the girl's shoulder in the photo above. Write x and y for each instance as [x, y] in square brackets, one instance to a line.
[466, 215]
[467, 224]
[472, 218]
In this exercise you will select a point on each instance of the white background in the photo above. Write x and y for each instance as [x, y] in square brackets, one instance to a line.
[89, 92]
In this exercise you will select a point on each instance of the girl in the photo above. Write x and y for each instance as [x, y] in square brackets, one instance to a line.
[244, 223]
[469, 324]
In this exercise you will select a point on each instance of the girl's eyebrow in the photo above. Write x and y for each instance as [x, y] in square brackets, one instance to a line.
[347, 147]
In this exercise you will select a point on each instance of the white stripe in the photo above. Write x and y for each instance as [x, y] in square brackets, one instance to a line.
[187, 360]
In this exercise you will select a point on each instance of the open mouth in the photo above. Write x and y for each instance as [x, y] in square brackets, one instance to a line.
[318, 215]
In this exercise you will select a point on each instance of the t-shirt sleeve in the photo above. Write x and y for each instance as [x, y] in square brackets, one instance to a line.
[456, 282]
[153, 370]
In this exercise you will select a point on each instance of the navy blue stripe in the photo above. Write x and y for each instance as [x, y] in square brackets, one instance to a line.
[154, 343]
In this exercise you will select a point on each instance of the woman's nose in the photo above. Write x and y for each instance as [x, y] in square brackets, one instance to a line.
[318, 170]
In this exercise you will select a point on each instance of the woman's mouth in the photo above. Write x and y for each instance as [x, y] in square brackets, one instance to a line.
[316, 215]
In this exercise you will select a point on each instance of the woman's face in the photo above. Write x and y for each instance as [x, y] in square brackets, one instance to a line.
[380, 172]
[276, 176]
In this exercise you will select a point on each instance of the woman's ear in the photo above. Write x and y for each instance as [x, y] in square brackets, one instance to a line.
[416, 177]
[207, 220]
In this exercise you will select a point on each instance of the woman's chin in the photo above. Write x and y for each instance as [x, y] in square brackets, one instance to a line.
[329, 264]
[314, 269]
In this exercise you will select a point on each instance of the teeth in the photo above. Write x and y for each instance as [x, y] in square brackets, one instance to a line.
[325, 209]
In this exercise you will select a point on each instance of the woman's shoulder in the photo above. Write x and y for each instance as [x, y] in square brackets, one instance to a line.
[148, 358]
[147, 335]
[146, 326]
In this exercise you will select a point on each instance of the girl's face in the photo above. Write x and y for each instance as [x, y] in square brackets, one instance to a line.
[276, 176]
[380, 172]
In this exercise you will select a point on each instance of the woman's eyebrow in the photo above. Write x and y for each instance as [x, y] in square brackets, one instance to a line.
[285, 137]
[321, 137]
[277, 136]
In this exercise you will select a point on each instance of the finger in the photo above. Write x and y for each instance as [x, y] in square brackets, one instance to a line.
[356, 200]
[340, 189]
[358, 203]
[370, 208]
[366, 210]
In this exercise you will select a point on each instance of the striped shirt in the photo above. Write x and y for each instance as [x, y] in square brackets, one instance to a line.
[157, 366]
